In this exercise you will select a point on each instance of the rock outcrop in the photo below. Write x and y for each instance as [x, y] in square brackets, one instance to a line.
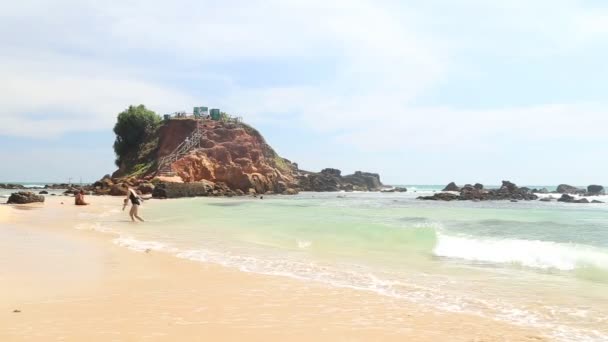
[332, 180]
[451, 187]
[233, 154]
[569, 189]
[571, 199]
[508, 191]
[59, 186]
[594, 190]
[24, 197]
[194, 189]
[225, 158]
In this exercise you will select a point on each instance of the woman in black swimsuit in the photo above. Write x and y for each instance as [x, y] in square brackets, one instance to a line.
[135, 203]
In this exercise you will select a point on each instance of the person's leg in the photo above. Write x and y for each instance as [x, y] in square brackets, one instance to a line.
[136, 213]
[132, 212]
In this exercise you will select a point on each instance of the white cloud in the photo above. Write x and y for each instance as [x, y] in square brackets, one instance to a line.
[71, 50]
[59, 95]
[79, 62]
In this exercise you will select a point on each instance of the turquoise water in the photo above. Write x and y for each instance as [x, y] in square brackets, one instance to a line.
[531, 263]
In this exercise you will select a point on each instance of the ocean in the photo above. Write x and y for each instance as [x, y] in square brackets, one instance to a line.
[538, 264]
[535, 264]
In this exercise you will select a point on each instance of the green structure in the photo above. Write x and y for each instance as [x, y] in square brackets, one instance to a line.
[215, 114]
[200, 111]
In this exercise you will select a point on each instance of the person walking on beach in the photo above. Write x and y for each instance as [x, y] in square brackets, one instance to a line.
[135, 203]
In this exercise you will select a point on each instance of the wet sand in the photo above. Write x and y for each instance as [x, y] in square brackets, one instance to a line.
[75, 285]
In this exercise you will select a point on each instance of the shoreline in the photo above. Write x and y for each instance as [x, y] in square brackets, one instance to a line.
[111, 292]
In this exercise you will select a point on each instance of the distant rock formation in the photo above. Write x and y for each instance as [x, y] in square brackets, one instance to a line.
[508, 191]
[332, 180]
[451, 187]
[569, 189]
[24, 197]
[594, 190]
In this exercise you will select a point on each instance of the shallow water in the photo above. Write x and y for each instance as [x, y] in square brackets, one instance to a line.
[532, 263]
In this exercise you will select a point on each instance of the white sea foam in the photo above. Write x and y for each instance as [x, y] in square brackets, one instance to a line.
[96, 226]
[32, 186]
[143, 246]
[303, 244]
[364, 279]
[529, 253]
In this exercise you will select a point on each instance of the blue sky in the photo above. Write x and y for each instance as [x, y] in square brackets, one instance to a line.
[420, 92]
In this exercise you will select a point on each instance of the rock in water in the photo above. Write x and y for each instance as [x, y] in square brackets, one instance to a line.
[566, 198]
[508, 191]
[451, 187]
[24, 197]
[593, 190]
[332, 180]
[442, 196]
[568, 189]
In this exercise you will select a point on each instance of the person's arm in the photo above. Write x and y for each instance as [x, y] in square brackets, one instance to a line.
[126, 200]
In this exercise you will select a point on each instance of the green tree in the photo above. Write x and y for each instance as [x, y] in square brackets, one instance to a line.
[132, 127]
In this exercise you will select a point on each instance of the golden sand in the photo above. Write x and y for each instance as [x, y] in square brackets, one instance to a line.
[4, 213]
[75, 285]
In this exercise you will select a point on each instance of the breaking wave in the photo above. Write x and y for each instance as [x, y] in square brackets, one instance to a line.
[529, 253]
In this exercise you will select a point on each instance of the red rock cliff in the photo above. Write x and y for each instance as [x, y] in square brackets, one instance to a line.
[234, 154]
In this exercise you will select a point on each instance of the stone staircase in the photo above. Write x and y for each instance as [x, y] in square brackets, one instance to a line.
[191, 142]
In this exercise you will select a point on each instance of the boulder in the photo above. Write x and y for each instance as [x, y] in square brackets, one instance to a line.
[546, 199]
[566, 198]
[146, 188]
[24, 197]
[568, 189]
[395, 189]
[290, 192]
[118, 190]
[596, 201]
[451, 187]
[43, 192]
[442, 196]
[478, 186]
[363, 181]
[177, 190]
[594, 190]
[511, 187]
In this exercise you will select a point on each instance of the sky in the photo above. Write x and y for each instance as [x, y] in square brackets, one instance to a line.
[422, 92]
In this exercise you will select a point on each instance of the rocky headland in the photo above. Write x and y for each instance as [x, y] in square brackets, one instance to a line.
[188, 157]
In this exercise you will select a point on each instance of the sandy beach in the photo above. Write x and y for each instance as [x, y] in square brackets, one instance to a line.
[75, 285]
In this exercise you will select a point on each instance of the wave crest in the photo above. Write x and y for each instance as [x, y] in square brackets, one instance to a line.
[529, 253]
